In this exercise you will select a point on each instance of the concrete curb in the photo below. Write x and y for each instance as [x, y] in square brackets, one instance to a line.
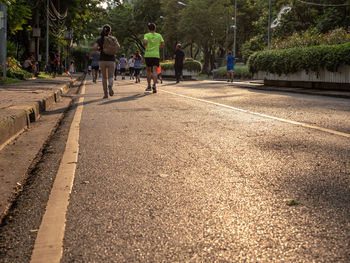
[23, 116]
[15, 189]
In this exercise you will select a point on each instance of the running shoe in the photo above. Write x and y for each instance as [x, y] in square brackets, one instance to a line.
[154, 89]
[149, 88]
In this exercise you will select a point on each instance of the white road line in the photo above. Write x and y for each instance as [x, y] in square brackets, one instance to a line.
[49, 241]
[347, 135]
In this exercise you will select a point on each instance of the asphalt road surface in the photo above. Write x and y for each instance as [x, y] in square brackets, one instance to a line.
[203, 172]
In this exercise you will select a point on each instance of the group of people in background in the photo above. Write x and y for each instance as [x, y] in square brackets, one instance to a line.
[109, 66]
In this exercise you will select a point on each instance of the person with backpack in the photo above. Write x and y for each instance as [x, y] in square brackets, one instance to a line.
[108, 46]
[138, 66]
[152, 42]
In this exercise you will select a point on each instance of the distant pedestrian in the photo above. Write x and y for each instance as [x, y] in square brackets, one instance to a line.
[230, 60]
[53, 64]
[117, 67]
[131, 64]
[152, 41]
[179, 57]
[28, 64]
[95, 65]
[108, 46]
[138, 66]
[71, 69]
[159, 74]
[123, 63]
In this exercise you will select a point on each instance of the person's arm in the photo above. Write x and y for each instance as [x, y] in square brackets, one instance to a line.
[162, 43]
[145, 41]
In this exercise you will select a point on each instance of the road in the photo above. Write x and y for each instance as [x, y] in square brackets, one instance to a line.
[201, 171]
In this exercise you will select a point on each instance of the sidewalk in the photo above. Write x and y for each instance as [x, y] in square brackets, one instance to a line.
[259, 85]
[34, 104]
[22, 103]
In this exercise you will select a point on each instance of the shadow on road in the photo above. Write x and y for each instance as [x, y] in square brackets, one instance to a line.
[123, 99]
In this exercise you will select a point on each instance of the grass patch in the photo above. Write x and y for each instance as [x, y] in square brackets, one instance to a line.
[43, 75]
[10, 81]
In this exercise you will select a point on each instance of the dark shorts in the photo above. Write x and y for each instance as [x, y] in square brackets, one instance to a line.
[122, 70]
[152, 62]
[137, 71]
[230, 68]
[95, 67]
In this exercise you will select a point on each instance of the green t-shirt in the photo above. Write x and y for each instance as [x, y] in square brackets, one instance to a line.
[153, 41]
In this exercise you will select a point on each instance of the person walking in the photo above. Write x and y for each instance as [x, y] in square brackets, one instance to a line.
[95, 65]
[138, 66]
[71, 69]
[108, 46]
[152, 42]
[123, 63]
[116, 68]
[179, 57]
[53, 64]
[131, 64]
[230, 60]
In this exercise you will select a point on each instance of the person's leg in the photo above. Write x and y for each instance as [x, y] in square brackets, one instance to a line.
[110, 70]
[232, 75]
[149, 77]
[154, 76]
[180, 72]
[115, 73]
[177, 74]
[103, 67]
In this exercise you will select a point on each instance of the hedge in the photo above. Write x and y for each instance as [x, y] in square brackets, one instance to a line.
[189, 64]
[241, 72]
[286, 61]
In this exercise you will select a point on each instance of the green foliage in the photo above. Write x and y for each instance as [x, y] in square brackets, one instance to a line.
[81, 59]
[189, 64]
[292, 60]
[241, 72]
[14, 70]
[19, 13]
[312, 37]
[251, 46]
[9, 81]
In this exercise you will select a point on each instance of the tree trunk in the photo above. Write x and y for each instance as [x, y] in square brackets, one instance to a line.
[197, 52]
[212, 59]
[205, 69]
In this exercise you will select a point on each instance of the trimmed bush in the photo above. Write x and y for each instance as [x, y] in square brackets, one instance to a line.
[189, 64]
[241, 72]
[286, 61]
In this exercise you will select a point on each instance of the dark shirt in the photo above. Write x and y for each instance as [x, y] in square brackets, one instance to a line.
[103, 56]
[179, 57]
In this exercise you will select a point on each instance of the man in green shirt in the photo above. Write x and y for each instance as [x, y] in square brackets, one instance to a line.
[152, 42]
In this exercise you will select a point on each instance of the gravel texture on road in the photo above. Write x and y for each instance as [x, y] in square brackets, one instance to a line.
[162, 178]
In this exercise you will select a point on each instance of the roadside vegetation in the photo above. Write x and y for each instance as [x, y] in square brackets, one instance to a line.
[204, 27]
[313, 58]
